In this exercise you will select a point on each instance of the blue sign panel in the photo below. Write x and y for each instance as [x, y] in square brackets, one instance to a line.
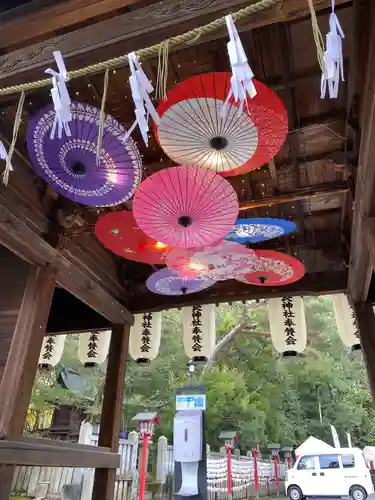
[191, 402]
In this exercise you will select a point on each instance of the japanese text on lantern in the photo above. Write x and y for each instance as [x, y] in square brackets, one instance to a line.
[93, 345]
[197, 328]
[146, 332]
[289, 325]
[354, 323]
[48, 348]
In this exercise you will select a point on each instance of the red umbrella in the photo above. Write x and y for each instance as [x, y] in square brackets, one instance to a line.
[119, 232]
[192, 132]
[272, 268]
[186, 207]
[222, 261]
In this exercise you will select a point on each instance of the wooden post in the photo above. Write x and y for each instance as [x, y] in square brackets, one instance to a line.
[110, 422]
[22, 361]
[14, 273]
[364, 313]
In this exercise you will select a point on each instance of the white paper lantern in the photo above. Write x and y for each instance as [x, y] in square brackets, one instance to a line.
[145, 337]
[346, 322]
[287, 325]
[93, 347]
[52, 350]
[199, 331]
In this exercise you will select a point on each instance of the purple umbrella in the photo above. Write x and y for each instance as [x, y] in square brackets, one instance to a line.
[166, 282]
[69, 164]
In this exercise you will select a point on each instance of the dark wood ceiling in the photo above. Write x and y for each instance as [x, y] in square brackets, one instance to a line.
[12, 4]
[319, 141]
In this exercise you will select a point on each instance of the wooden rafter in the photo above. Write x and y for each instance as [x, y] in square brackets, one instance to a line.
[143, 27]
[327, 189]
[22, 226]
[36, 21]
[231, 291]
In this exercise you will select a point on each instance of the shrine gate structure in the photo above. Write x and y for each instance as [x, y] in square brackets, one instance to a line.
[55, 275]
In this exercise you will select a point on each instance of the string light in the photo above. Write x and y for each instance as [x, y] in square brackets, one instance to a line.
[196, 266]
[159, 245]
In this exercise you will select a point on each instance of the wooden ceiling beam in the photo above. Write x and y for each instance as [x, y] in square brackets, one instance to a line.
[35, 22]
[20, 239]
[140, 28]
[325, 240]
[326, 189]
[22, 226]
[279, 163]
[231, 291]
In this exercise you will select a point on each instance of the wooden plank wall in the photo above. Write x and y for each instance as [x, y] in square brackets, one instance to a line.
[13, 272]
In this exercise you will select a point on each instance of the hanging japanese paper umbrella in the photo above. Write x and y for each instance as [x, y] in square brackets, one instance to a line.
[69, 164]
[185, 207]
[166, 282]
[193, 130]
[222, 261]
[119, 232]
[272, 268]
[255, 230]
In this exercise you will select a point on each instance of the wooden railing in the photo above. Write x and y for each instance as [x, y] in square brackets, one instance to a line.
[45, 452]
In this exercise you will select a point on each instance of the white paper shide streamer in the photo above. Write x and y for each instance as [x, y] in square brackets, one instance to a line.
[60, 97]
[333, 58]
[199, 331]
[241, 83]
[52, 351]
[141, 87]
[145, 337]
[346, 323]
[4, 154]
[93, 348]
[287, 325]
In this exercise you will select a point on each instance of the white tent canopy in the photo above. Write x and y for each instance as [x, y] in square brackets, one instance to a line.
[313, 445]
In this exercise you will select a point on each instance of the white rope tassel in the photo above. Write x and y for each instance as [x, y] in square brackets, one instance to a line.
[60, 97]
[141, 88]
[333, 58]
[241, 82]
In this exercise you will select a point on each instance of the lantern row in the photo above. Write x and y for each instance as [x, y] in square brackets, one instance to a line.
[287, 329]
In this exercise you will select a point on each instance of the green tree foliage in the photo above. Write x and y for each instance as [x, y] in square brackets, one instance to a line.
[249, 388]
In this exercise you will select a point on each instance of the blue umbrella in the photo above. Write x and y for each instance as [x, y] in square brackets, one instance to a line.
[255, 230]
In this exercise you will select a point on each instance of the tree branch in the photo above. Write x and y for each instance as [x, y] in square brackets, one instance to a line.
[220, 346]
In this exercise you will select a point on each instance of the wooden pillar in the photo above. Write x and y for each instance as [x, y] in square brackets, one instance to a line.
[110, 422]
[14, 273]
[364, 312]
[22, 360]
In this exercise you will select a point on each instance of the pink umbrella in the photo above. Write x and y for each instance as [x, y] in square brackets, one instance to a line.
[186, 207]
[225, 260]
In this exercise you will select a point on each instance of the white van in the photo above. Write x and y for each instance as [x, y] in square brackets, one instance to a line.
[340, 473]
